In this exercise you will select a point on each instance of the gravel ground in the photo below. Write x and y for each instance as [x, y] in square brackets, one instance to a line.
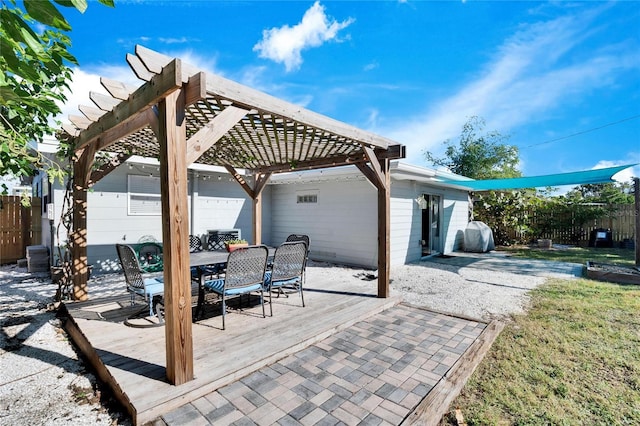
[43, 381]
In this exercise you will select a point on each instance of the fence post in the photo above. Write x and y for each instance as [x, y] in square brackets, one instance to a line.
[636, 192]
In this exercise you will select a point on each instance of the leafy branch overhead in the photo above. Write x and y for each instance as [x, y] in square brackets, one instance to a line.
[477, 155]
[35, 60]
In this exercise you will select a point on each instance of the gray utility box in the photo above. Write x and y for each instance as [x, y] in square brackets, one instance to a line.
[37, 259]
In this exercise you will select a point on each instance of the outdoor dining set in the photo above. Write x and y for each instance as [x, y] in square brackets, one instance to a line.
[225, 274]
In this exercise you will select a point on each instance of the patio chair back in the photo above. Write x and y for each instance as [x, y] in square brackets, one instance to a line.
[246, 267]
[299, 237]
[289, 261]
[195, 244]
[130, 266]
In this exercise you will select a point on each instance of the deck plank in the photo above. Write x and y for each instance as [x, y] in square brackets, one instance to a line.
[133, 360]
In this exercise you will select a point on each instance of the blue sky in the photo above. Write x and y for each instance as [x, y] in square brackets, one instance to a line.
[562, 79]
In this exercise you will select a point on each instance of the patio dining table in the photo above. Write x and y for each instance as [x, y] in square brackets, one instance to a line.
[203, 259]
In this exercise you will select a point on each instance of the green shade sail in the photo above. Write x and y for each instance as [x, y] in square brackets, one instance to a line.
[573, 178]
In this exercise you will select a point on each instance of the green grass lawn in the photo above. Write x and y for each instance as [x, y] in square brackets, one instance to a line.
[624, 257]
[573, 359]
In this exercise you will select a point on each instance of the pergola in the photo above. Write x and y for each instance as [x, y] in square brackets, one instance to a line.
[181, 116]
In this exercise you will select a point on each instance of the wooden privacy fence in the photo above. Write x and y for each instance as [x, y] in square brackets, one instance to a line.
[19, 227]
[621, 223]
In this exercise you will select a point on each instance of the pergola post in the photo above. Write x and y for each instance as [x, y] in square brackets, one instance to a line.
[257, 219]
[175, 231]
[384, 225]
[379, 174]
[78, 238]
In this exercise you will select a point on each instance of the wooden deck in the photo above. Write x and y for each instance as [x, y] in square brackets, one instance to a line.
[132, 361]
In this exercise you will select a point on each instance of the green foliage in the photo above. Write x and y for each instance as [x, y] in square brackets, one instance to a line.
[35, 62]
[479, 156]
[236, 241]
[606, 193]
[503, 211]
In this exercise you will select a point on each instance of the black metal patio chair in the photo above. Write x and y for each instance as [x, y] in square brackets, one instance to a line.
[244, 274]
[150, 289]
[289, 263]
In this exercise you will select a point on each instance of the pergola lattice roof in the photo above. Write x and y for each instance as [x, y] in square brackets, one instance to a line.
[260, 133]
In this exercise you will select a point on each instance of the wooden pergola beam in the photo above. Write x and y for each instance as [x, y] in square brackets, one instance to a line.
[117, 89]
[107, 168]
[91, 113]
[248, 98]
[211, 133]
[169, 80]
[80, 266]
[393, 153]
[255, 193]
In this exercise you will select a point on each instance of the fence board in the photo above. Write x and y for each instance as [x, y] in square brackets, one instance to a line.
[621, 223]
[19, 227]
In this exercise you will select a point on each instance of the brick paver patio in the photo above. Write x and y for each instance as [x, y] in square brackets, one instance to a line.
[374, 373]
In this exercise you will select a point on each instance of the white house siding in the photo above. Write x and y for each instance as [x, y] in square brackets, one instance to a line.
[223, 204]
[219, 204]
[406, 219]
[456, 217]
[342, 225]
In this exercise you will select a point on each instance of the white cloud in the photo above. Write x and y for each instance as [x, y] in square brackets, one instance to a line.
[285, 44]
[85, 81]
[371, 66]
[625, 175]
[527, 79]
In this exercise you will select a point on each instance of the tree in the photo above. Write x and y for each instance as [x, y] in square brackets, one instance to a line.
[605, 193]
[479, 156]
[35, 62]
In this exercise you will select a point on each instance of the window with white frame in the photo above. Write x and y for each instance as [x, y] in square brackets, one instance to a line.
[144, 195]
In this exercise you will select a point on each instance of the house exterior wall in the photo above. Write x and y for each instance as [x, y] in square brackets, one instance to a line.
[214, 202]
[406, 219]
[342, 225]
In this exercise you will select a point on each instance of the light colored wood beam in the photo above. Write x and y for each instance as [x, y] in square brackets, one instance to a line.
[195, 88]
[175, 238]
[144, 97]
[91, 113]
[138, 68]
[104, 102]
[375, 165]
[105, 169]
[211, 133]
[80, 266]
[70, 129]
[260, 182]
[241, 180]
[249, 98]
[141, 120]
[79, 121]
[117, 89]
[394, 152]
